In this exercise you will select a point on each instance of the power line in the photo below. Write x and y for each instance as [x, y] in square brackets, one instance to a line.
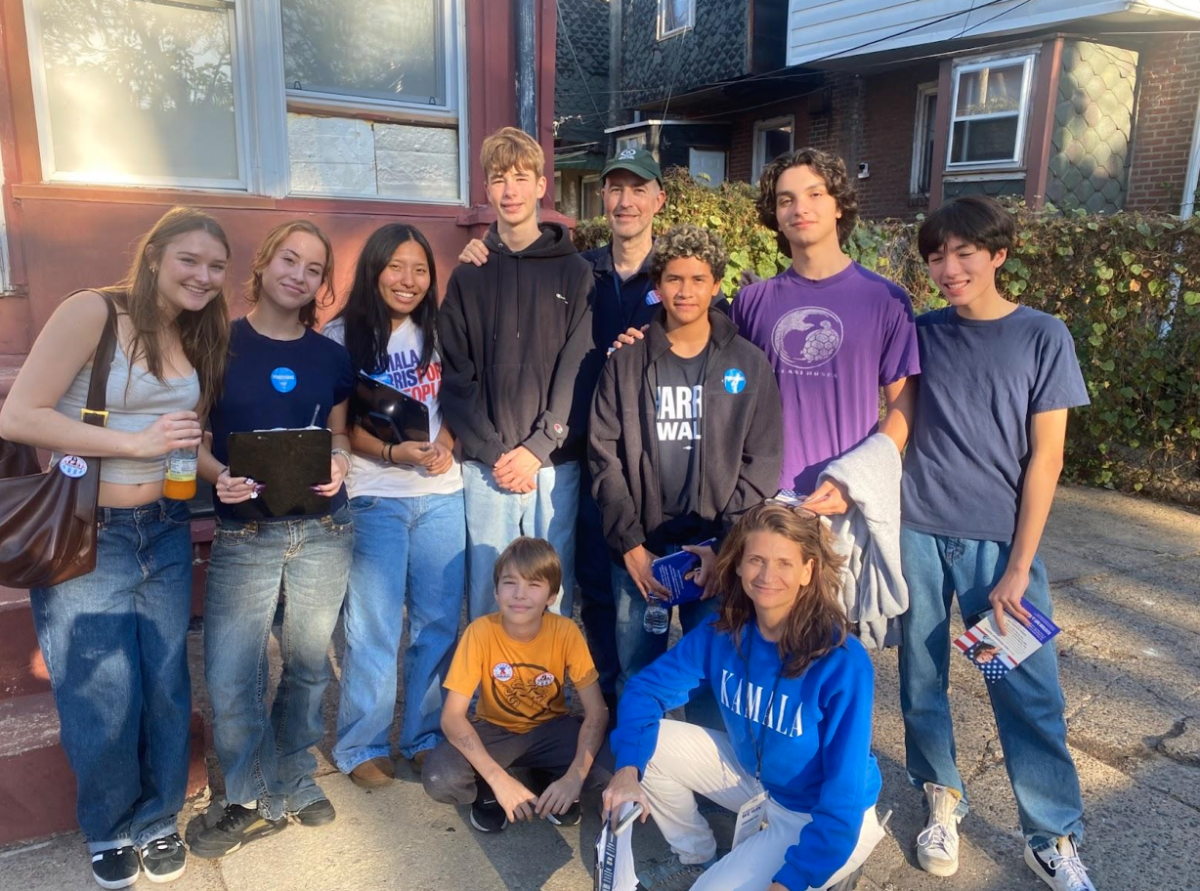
[571, 46]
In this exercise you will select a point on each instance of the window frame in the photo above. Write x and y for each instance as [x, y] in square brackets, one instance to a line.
[632, 140]
[663, 32]
[584, 184]
[759, 159]
[921, 125]
[1028, 57]
[693, 150]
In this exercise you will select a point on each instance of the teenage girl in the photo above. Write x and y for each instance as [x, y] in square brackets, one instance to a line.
[795, 691]
[114, 640]
[281, 373]
[407, 501]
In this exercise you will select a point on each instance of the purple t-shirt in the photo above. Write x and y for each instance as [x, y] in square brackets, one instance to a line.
[833, 343]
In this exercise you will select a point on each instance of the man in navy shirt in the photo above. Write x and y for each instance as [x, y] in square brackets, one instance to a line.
[631, 186]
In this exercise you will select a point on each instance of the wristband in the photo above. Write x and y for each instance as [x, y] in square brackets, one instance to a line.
[390, 446]
[344, 454]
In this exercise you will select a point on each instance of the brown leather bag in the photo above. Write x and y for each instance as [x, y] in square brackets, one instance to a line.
[48, 520]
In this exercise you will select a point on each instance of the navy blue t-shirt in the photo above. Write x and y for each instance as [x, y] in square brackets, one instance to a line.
[981, 383]
[278, 383]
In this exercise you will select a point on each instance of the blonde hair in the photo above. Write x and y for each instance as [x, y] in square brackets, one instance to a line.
[533, 559]
[512, 149]
[266, 252]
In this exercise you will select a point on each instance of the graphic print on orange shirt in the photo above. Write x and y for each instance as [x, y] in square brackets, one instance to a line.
[525, 690]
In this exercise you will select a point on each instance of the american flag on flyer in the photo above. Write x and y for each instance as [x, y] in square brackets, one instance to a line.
[997, 654]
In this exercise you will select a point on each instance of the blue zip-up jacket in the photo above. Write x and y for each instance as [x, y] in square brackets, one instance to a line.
[817, 749]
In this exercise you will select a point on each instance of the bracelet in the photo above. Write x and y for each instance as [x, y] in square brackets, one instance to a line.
[345, 455]
[390, 446]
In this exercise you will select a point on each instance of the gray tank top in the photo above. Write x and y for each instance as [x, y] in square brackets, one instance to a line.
[131, 411]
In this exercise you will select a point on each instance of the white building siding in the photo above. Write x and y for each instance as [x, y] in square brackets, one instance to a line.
[830, 29]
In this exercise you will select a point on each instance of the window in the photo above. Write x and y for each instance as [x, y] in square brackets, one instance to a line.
[675, 16]
[634, 141]
[771, 139]
[590, 201]
[923, 139]
[707, 166]
[343, 98]
[988, 112]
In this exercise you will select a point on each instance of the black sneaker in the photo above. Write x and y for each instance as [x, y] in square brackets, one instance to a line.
[164, 859]
[541, 782]
[116, 867]
[486, 813]
[236, 827]
[317, 813]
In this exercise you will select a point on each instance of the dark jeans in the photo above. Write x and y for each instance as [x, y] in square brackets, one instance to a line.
[598, 608]
[448, 776]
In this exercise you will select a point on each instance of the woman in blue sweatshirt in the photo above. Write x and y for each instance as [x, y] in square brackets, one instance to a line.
[795, 691]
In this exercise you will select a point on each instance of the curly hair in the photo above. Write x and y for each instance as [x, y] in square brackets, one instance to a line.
[817, 624]
[830, 168]
[679, 242]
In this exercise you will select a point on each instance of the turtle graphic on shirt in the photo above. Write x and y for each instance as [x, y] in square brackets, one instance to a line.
[807, 337]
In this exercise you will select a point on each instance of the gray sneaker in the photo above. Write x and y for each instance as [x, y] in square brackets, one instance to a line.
[673, 875]
[937, 845]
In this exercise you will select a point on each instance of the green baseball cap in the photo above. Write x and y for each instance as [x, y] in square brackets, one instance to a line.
[637, 161]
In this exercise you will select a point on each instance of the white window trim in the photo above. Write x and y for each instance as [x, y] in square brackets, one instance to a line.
[634, 140]
[260, 108]
[663, 33]
[1029, 58]
[584, 183]
[760, 143]
[921, 123]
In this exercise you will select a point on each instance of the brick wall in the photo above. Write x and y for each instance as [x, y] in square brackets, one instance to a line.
[1170, 85]
[741, 151]
[889, 114]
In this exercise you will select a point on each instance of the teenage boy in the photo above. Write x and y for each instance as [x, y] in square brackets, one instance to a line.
[834, 332]
[519, 660]
[997, 380]
[685, 433]
[631, 188]
[515, 334]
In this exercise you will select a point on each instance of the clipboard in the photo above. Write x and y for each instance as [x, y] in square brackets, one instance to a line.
[388, 414]
[287, 462]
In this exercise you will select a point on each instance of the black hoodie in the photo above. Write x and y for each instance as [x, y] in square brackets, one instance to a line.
[515, 333]
[742, 435]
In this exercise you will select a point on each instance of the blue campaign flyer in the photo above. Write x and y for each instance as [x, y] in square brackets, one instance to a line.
[997, 654]
[677, 572]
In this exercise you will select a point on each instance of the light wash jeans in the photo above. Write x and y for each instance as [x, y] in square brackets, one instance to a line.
[265, 755]
[409, 556]
[115, 644]
[495, 517]
[1028, 702]
[691, 760]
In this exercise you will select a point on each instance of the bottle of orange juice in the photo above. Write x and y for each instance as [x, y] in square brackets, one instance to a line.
[180, 484]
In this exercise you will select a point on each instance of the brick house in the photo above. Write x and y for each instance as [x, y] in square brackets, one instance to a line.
[1089, 104]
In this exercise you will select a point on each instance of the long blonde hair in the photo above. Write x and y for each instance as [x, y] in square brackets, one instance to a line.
[204, 333]
[816, 624]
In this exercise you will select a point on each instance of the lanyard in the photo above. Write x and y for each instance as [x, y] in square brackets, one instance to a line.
[760, 744]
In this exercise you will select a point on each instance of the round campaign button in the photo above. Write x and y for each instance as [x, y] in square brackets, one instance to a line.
[283, 379]
[72, 466]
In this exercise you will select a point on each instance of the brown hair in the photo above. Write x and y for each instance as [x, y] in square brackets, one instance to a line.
[511, 149]
[817, 624]
[203, 334]
[266, 253]
[533, 559]
[830, 168]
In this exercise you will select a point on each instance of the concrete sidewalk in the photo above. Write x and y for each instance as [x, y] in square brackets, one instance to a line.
[1126, 578]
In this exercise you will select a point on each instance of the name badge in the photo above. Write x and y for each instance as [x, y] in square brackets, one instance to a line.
[750, 818]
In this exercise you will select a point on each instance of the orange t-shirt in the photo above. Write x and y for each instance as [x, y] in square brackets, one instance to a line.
[522, 683]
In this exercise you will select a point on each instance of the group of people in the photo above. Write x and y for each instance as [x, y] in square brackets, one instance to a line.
[588, 414]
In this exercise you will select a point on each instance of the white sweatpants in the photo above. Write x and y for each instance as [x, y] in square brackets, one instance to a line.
[690, 760]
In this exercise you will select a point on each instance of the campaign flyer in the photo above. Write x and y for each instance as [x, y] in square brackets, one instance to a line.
[614, 858]
[677, 573]
[997, 654]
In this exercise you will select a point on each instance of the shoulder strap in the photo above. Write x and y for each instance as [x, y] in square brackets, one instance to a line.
[97, 397]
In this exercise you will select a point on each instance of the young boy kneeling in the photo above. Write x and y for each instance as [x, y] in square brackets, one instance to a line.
[518, 659]
[986, 450]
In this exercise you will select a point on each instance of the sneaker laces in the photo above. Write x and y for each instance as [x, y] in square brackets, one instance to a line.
[160, 845]
[116, 852]
[1070, 866]
[937, 837]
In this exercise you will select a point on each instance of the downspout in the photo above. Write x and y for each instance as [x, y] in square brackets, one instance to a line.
[1191, 182]
[614, 63]
[526, 34]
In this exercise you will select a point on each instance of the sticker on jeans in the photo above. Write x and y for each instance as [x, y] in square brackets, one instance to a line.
[750, 818]
[72, 466]
[283, 379]
[502, 671]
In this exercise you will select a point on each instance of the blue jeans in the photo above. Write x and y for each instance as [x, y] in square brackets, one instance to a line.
[637, 648]
[115, 644]
[495, 517]
[408, 552]
[1028, 703]
[265, 755]
[597, 608]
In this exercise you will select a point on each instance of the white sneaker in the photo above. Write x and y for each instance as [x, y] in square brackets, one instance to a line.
[937, 845]
[1060, 866]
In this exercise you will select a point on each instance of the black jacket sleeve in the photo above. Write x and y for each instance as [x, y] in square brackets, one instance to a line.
[619, 515]
[573, 377]
[462, 398]
[762, 450]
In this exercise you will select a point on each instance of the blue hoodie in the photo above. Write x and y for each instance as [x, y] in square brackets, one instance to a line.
[817, 749]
